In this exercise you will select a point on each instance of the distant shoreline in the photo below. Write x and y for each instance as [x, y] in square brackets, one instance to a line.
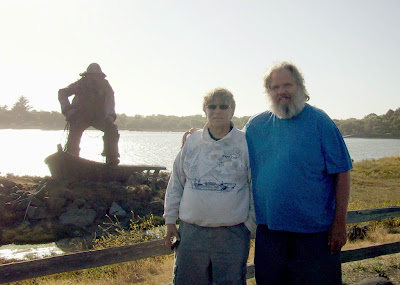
[388, 136]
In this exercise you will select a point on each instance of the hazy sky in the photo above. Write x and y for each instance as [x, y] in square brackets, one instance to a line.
[161, 57]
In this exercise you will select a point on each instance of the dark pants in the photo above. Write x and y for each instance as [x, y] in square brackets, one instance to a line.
[111, 136]
[295, 258]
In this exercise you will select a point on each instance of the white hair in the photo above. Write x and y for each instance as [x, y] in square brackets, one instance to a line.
[292, 109]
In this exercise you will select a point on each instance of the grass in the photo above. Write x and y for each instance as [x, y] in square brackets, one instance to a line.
[388, 265]
[151, 271]
[375, 183]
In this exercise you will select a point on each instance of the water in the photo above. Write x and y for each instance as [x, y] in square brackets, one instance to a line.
[22, 152]
[29, 251]
[362, 149]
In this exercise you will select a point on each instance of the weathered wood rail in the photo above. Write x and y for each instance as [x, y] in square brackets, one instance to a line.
[83, 260]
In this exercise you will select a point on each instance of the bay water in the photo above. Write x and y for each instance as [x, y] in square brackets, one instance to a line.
[22, 152]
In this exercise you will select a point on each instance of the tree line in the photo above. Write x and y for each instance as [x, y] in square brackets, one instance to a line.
[372, 125]
[22, 116]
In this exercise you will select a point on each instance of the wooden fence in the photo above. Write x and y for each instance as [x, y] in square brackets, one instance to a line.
[89, 259]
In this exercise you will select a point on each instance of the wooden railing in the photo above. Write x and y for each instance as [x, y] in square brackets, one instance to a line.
[89, 259]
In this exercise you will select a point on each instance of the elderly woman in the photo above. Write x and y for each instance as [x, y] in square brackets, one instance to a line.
[209, 191]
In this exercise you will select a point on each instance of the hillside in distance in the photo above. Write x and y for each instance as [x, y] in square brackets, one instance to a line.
[23, 116]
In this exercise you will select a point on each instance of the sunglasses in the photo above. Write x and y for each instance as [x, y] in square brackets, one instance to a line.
[221, 107]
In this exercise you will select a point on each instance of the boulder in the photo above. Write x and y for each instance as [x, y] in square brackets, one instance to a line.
[136, 179]
[56, 204]
[79, 202]
[375, 281]
[157, 208]
[116, 210]
[81, 218]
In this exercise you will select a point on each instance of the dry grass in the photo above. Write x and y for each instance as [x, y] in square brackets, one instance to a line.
[388, 265]
[150, 271]
[375, 184]
[358, 270]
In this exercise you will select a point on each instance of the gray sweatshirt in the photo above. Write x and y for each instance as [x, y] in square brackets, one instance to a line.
[210, 183]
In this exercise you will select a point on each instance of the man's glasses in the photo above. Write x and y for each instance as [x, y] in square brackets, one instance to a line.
[221, 107]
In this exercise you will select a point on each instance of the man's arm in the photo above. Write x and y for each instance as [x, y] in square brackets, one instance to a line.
[337, 232]
[63, 95]
[189, 132]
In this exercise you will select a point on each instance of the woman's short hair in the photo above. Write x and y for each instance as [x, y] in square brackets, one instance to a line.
[219, 93]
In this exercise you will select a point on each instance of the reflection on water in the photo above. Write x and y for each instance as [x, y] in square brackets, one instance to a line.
[22, 152]
[362, 149]
[29, 251]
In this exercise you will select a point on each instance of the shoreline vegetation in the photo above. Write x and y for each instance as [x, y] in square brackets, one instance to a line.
[375, 184]
[23, 116]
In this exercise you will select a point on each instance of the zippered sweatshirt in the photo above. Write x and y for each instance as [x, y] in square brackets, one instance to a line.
[210, 183]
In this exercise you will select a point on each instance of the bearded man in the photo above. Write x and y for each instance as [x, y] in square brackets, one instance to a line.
[301, 182]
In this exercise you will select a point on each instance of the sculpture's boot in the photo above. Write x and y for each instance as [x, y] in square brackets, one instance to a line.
[110, 150]
[72, 148]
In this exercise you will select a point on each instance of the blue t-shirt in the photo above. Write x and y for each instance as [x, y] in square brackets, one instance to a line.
[292, 162]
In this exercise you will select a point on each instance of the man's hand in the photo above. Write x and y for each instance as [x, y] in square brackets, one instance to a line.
[337, 237]
[172, 232]
[189, 132]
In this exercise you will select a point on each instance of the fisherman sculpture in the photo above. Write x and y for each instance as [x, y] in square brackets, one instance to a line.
[93, 105]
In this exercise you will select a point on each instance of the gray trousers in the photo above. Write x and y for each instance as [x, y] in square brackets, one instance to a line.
[208, 255]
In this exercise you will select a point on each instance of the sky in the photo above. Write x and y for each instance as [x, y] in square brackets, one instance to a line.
[163, 56]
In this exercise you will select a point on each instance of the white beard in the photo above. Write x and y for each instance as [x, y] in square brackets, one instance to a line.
[290, 110]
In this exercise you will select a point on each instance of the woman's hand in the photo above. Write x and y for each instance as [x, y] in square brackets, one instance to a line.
[172, 232]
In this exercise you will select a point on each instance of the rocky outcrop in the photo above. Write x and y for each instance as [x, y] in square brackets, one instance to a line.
[56, 209]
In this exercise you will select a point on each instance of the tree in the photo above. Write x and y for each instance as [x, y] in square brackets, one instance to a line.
[21, 112]
[21, 106]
